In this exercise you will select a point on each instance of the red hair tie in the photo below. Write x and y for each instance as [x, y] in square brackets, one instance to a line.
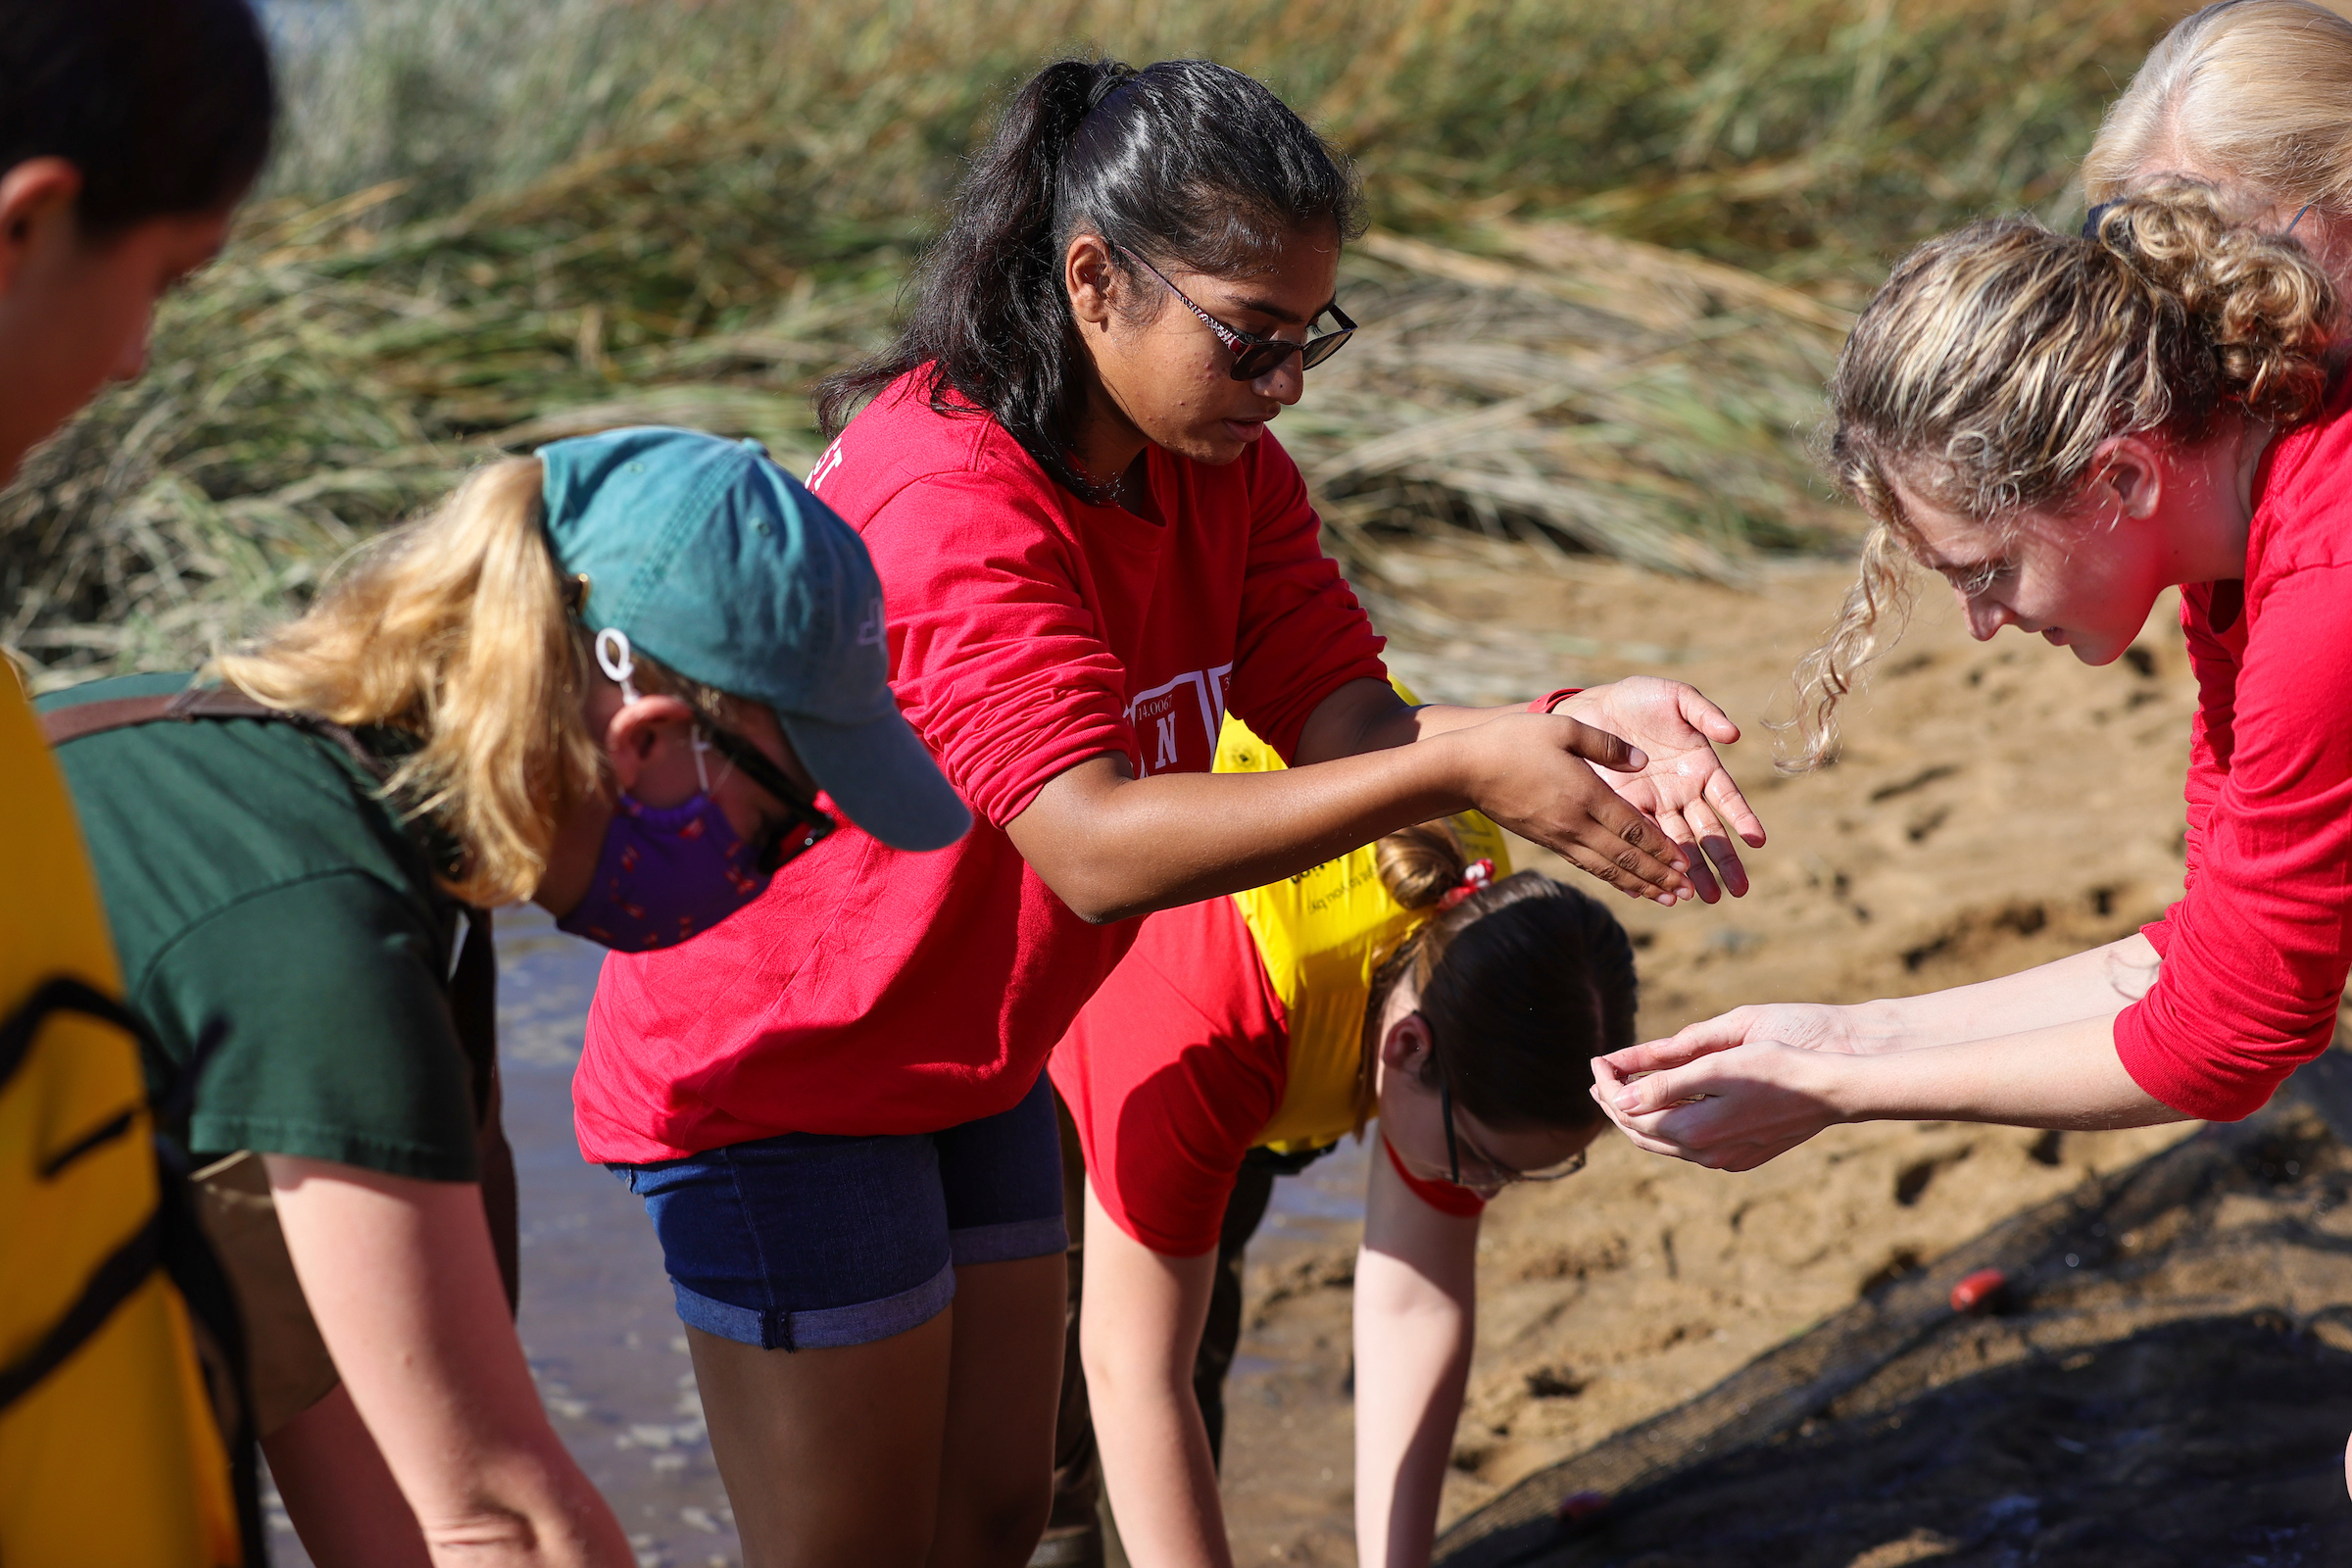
[1477, 877]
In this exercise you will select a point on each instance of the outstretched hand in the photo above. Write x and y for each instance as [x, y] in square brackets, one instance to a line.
[1732, 1110]
[1680, 782]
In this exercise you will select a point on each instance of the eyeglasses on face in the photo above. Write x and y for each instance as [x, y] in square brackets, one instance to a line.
[1255, 356]
[804, 822]
[1486, 1176]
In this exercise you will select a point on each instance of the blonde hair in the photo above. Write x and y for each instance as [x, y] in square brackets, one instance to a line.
[1988, 370]
[458, 629]
[2256, 91]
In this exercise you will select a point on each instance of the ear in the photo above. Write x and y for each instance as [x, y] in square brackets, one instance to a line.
[33, 195]
[642, 731]
[1090, 273]
[2127, 475]
[1405, 1048]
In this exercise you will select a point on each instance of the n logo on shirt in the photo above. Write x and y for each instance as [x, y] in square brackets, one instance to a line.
[1163, 719]
[825, 465]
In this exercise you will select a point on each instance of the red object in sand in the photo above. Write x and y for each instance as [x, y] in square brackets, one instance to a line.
[1580, 1507]
[1979, 1292]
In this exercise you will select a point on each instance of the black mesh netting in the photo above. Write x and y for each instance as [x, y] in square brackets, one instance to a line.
[2169, 1382]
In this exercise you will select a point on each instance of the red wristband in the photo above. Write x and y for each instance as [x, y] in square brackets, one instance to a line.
[1550, 700]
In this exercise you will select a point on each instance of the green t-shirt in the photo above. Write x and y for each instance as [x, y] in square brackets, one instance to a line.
[252, 877]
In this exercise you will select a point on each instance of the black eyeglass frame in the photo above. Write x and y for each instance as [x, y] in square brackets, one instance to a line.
[1453, 1148]
[1255, 356]
[805, 824]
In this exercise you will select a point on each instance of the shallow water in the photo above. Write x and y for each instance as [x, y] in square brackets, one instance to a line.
[598, 1322]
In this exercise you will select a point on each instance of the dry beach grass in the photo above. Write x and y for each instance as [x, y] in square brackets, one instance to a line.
[1615, 249]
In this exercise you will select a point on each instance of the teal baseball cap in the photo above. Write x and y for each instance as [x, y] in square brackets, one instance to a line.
[712, 559]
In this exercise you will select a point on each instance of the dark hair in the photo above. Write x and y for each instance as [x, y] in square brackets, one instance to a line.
[1186, 162]
[164, 105]
[1522, 984]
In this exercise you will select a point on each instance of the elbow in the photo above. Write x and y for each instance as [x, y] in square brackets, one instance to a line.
[1092, 900]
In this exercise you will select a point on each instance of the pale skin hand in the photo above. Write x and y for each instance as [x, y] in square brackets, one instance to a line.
[1113, 846]
[400, 1276]
[1767, 1098]
[1738, 1108]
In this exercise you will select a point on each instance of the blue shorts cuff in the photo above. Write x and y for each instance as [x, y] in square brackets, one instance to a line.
[827, 1328]
[1008, 1242]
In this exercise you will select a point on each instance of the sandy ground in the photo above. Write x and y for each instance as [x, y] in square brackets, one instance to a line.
[1997, 806]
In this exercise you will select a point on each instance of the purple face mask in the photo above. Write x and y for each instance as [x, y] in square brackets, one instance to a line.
[666, 874]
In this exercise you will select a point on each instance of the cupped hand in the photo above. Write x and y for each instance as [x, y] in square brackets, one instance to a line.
[1804, 1025]
[1680, 783]
[1734, 1109]
[1539, 774]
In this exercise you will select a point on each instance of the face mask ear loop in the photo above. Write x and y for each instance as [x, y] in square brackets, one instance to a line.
[614, 657]
[701, 769]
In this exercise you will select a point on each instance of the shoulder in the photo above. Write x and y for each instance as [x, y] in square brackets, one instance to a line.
[900, 440]
[121, 686]
[184, 821]
[2303, 509]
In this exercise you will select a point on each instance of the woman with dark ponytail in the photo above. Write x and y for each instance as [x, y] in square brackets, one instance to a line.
[1414, 980]
[1092, 549]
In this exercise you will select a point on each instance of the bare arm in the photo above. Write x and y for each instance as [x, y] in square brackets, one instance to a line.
[1754, 1101]
[1113, 846]
[1416, 1316]
[1139, 1331]
[2095, 984]
[400, 1275]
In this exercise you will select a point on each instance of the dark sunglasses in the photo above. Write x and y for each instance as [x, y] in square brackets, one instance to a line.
[805, 821]
[1504, 1175]
[1255, 356]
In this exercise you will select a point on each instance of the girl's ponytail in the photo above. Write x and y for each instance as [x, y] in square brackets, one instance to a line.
[1186, 162]
[1420, 864]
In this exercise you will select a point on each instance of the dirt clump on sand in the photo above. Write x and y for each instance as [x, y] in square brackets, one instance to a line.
[1997, 806]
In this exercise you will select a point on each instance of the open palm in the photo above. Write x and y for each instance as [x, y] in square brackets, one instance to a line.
[1684, 787]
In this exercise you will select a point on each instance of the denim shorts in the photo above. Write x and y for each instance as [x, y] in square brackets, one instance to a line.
[811, 1240]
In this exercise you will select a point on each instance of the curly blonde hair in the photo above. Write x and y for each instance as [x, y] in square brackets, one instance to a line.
[1992, 365]
[458, 630]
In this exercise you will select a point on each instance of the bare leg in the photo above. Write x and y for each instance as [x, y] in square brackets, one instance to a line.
[995, 1483]
[832, 1457]
[339, 1492]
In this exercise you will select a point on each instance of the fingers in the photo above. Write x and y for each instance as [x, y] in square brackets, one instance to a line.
[1656, 1056]
[1708, 719]
[1619, 860]
[1685, 830]
[1604, 750]
[1723, 794]
[1661, 1088]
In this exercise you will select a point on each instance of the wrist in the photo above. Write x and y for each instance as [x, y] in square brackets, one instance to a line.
[1550, 701]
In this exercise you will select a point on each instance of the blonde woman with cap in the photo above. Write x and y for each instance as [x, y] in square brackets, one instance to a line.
[610, 679]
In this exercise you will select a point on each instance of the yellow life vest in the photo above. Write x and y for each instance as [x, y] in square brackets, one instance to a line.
[1321, 934]
[112, 1456]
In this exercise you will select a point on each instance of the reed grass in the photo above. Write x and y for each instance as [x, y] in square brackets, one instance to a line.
[1615, 249]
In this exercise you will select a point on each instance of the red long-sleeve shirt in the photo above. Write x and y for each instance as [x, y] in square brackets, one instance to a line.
[2256, 952]
[870, 991]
